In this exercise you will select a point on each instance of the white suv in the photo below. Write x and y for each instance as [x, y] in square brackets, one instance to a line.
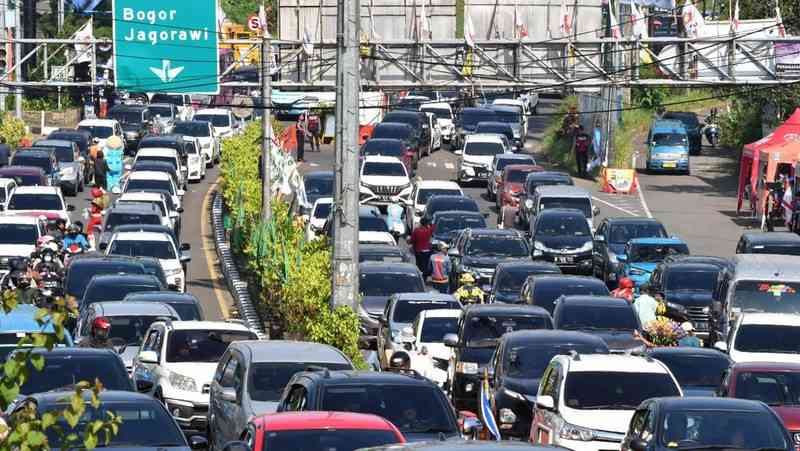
[423, 190]
[384, 181]
[156, 245]
[754, 338]
[179, 358]
[477, 156]
[585, 402]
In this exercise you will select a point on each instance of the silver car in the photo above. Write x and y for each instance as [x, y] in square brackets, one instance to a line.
[70, 163]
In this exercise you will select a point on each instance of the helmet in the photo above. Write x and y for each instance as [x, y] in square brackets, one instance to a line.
[467, 278]
[399, 361]
[52, 245]
[625, 283]
[97, 192]
[101, 327]
[74, 229]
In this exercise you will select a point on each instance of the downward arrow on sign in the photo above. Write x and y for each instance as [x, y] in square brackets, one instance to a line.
[166, 73]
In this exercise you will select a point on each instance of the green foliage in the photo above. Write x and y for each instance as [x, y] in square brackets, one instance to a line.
[239, 10]
[12, 130]
[46, 103]
[648, 97]
[558, 147]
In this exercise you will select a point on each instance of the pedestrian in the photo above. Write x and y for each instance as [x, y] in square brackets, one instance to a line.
[5, 152]
[440, 267]
[646, 305]
[314, 130]
[100, 170]
[690, 340]
[582, 144]
[300, 132]
[420, 241]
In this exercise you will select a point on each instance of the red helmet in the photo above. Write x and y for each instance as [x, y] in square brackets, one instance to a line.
[97, 192]
[625, 283]
[101, 327]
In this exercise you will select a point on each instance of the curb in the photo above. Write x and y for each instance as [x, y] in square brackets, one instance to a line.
[236, 286]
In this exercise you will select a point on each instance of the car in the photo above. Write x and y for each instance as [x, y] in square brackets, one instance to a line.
[586, 418]
[115, 286]
[70, 164]
[19, 236]
[521, 108]
[688, 289]
[167, 155]
[691, 124]
[185, 304]
[7, 185]
[668, 147]
[443, 114]
[372, 228]
[476, 157]
[195, 163]
[470, 426]
[317, 184]
[479, 331]
[383, 181]
[498, 128]
[80, 137]
[395, 332]
[102, 129]
[128, 213]
[24, 176]
[156, 182]
[509, 188]
[467, 123]
[782, 243]
[424, 190]
[250, 379]
[377, 283]
[702, 423]
[478, 251]
[611, 237]
[225, 124]
[156, 166]
[642, 255]
[147, 423]
[156, 245]
[170, 215]
[514, 118]
[448, 224]
[39, 201]
[129, 322]
[180, 359]
[564, 196]
[448, 202]
[610, 318]
[154, 228]
[754, 338]
[203, 133]
[183, 102]
[136, 121]
[419, 123]
[509, 277]
[22, 321]
[42, 157]
[317, 216]
[562, 236]
[65, 366]
[164, 115]
[544, 289]
[498, 164]
[415, 405]
[402, 132]
[172, 141]
[526, 210]
[429, 355]
[516, 370]
[699, 371]
[82, 267]
[387, 147]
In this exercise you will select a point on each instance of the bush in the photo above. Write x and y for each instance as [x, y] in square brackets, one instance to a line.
[12, 130]
[557, 147]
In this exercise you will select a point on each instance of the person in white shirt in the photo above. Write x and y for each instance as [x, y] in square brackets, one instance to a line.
[645, 305]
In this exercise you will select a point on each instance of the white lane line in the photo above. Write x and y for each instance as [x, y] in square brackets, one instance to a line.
[624, 210]
[640, 190]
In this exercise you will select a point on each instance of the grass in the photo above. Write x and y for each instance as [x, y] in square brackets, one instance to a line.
[556, 148]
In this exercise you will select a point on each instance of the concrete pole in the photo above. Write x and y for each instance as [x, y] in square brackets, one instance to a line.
[4, 32]
[60, 16]
[346, 193]
[17, 58]
[266, 131]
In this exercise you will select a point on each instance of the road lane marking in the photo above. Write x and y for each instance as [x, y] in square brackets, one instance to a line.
[210, 260]
[614, 206]
[640, 190]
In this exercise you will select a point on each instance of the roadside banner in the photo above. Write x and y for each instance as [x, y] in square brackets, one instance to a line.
[618, 181]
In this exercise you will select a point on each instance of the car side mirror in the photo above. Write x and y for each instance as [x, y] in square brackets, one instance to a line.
[595, 210]
[149, 357]
[545, 402]
[102, 246]
[368, 343]
[186, 246]
[197, 442]
[236, 446]
[721, 346]
[638, 444]
[186, 257]
[179, 209]
[143, 386]
[229, 394]
[451, 340]
[181, 193]
[70, 208]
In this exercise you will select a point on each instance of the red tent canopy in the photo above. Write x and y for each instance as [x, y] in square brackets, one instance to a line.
[789, 131]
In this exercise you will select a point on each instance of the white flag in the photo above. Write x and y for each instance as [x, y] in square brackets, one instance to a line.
[639, 22]
[735, 18]
[424, 25]
[693, 21]
[262, 20]
[565, 20]
[84, 34]
[779, 20]
[308, 45]
[616, 33]
[520, 29]
[469, 31]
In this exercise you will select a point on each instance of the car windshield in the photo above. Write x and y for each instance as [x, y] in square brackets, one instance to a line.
[412, 408]
[440, 113]
[434, 329]
[202, 345]
[66, 370]
[483, 149]
[217, 120]
[18, 234]
[582, 204]
[372, 224]
[722, 429]
[64, 154]
[496, 246]
[131, 328]
[622, 233]
[161, 250]
[79, 274]
[767, 296]
[160, 205]
[389, 283]
[267, 380]
[545, 294]
[695, 370]
[517, 175]
[562, 225]
[670, 139]
[384, 148]
[655, 253]
[164, 111]
[327, 439]
[510, 281]
[322, 210]
[621, 390]
[372, 168]
[176, 100]
[470, 118]
[100, 132]
[691, 280]
[447, 224]
[149, 184]
[503, 162]
[530, 361]
[492, 327]
[114, 291]
[196, 129]
[772, 388]
[28, 179]
[425, 193]
[76, 137]
[127, 117]
[762, 338]
[532, 183]
[116, 219]
[145, 424]
[21, 159]
[35, 202]
[319, 185]
[460, 204]
[407, 311]
[582, 317]
[392, 132]
[689, 119]
[508, 117]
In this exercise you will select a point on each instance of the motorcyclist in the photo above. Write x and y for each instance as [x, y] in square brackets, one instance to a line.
[75, 237]
[101, 330]
[26, 291]
[468, 293]
[400, 362]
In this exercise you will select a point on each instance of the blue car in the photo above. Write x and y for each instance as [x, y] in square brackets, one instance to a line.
[19, 322]
[642, 255]
[668, 147]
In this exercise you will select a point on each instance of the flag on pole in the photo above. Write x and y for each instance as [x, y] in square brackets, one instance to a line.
[262, 20]
[735, 18]
[469, 30]
[565, 22]
[85, 34]
[520, 29]
[693, 21]
[486, 408]
[616, 33]
[425, 25]
[639, 22]
[779, 19]
[308, 45]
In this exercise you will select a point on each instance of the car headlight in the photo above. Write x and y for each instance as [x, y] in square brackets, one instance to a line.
[396, 334]
[677, 307]
[467, 367]
[528, 204]
[182, 382]
[587, 246]
[636, 272]
[468, 170]
[572, 432]
[173, 272]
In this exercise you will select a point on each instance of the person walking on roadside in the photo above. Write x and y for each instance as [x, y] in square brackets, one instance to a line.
[100, 170]
[646, 305]
[439, 268]
[314, 130]
[301, 132]
[582, 144]
[420, 241]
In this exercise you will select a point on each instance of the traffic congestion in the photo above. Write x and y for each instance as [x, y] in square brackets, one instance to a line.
[499, 303]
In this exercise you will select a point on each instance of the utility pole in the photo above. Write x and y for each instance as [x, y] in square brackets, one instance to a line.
[17, 58]
[60, 16]
[344, 287]
[266, 128]
[6, 55]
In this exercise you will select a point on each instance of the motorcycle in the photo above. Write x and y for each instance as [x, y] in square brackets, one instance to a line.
[711, 131]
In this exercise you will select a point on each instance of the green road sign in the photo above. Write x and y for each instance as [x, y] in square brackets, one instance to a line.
[166, 46]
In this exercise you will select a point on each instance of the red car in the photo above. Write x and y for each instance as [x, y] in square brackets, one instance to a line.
[775, 384]
[342, 431]
[509, 187]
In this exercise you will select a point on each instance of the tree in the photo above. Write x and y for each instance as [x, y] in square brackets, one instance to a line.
[239, 10]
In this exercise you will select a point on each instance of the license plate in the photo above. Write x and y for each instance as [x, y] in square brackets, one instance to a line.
[669, 164]
[564, 259]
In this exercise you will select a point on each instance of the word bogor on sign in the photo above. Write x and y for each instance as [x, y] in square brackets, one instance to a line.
[154, 37]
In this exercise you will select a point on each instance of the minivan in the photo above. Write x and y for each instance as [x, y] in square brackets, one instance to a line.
[565, 196]
[668, 147]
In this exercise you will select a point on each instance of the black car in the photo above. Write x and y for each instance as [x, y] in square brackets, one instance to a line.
[699, 371]
[517, 367]
[612, 319]
[172, 141]
[688, 289]
[611, 237]
[782, 243]
[418, 121]
[461, 446]
[114, 287]
[39, 157]
[500, 128]
[478, 251]
[81, 269]
[414, 404]
[449, 202]
[377, 282]
[384, 253]
[693, 128]
[479, 331]
[543, 290]
[186, 304]
[562, 236]
[66, 366]
[509, 277]
[318, 184]
[665, 424]
[80, 137]
[449, 223]
[403, 132]
[467, 122]
[135, 121]
[534, 180]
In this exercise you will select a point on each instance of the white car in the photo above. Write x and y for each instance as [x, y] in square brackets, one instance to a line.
[178, 360]
[477, 155]
[166, 155]
[585, 402]
[764, 337]
[225, 124]
[436, 133]
[422, 191]
[154, 181]
[431, 357]
[384, 181]
[444, 117]
[195, 162]
[183, 102]
[156, 245]
[18, 237]
[103, 129]
[522, 107]
[203, 132]
[317, 217]
[170, 218]
[373, 237]
[39, 201]
[6, 187]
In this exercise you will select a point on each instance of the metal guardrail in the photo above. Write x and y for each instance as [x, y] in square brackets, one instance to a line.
[236, 286]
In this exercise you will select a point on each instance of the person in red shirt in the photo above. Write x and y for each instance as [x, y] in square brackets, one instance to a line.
[582, 143]
[625, 289]
[420, 241]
